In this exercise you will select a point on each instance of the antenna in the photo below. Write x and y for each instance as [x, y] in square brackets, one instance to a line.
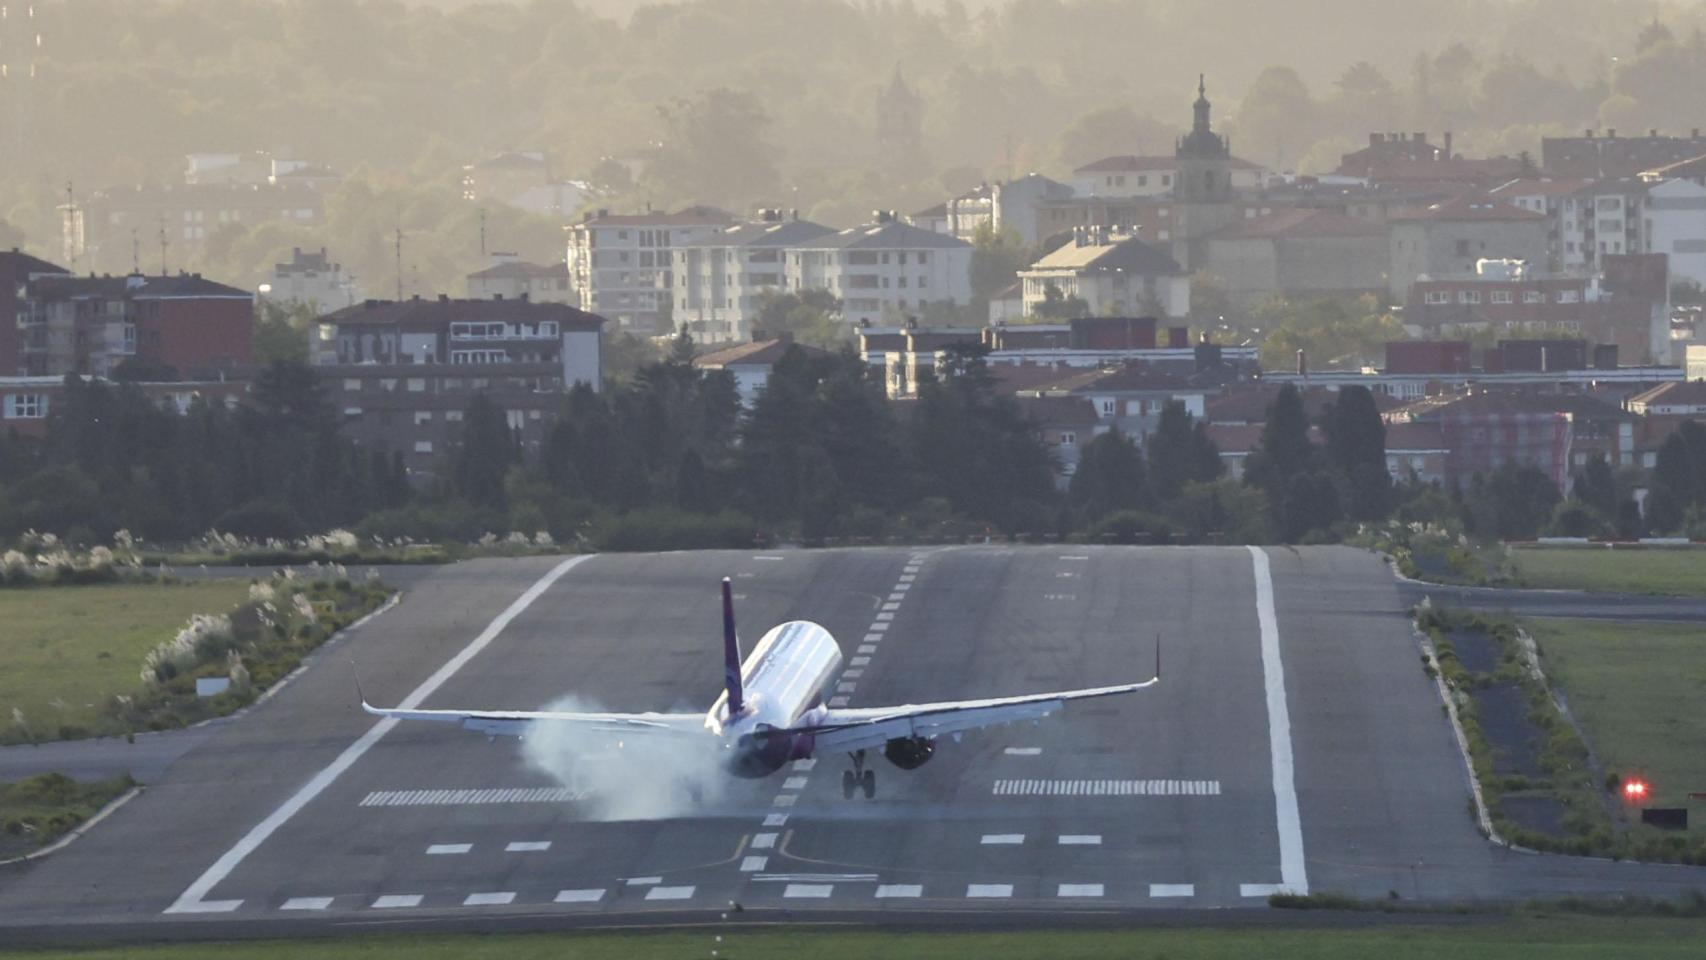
[72, 228]
[135, 251]
[163, 244]
[482, 234]
[399, 263]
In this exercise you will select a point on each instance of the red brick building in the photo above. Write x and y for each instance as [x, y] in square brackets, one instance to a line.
[181, 326]
[16, 271]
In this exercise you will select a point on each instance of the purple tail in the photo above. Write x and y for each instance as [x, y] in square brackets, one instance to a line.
[731, 654]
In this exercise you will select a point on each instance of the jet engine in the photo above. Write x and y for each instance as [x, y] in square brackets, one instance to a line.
[909, 753]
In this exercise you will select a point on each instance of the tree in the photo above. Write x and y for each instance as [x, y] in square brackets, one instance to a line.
[716, 149]
[996, 259]
[484, 455]
[1110, 477]
[1596, 486]
[1679, 477]
[1284, 450]
[1310, 503]
[1180, 452]
[1110, 131]
[1356, 449]
[811, 317]
[1059, 306]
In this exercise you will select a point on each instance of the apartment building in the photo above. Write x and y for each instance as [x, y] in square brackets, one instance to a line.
[721, 279]
[401, 373]
[174, 326]
[310, 279]
[1598, 156]
[512, 278]
[1113, 273]
[884, 269]
[124, 228]
[1450, 237]
[17, 270]
[620, 264]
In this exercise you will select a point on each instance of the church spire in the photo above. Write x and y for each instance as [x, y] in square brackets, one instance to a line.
[1201, 106]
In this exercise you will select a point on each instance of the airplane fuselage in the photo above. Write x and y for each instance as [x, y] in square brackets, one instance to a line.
[784, 680]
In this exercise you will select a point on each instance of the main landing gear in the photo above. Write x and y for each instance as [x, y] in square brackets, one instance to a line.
[859, 778]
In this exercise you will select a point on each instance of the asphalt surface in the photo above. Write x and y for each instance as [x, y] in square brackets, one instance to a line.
[1311, 751]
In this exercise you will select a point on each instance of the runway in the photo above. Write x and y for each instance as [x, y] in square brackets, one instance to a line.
[1294, 743]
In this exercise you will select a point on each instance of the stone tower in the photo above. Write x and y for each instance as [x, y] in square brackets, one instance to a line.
[900, 122]
[1203, 188]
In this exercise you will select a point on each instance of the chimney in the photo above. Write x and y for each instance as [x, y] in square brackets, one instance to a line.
[1653, 134]
[1611, 133]
[1302, 364]
[1447, 145]
[444, 298]
[526, 296]
[497, 296]
[1694, 134]
[1588, 133]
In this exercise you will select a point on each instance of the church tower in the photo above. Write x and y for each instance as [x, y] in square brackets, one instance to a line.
[1202, 185]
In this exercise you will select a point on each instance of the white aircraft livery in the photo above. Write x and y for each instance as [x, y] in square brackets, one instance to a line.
[772, 711]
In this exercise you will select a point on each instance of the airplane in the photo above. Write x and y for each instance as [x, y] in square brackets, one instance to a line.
[771, 711]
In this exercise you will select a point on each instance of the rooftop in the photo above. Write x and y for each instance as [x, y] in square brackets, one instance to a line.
[1680, 393]
[1129, 255]
[521, 270]
[685, 217]
[756, 353]
[445, 310]
[1468, 207]
[1299, 222]
[763, 234]
[886, 235]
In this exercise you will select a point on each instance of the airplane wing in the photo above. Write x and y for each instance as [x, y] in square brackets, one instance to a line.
[844, 729]
[515, 723]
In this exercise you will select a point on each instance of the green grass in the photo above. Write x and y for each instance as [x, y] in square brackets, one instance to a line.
[37, 811]
[1674, 571]
[64, 651]
[1638, 690]
[1551, 938]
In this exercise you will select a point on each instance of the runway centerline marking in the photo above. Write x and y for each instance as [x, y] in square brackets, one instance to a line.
[397, 901]
[1293, 876]
[448, 849]
[1002, 839]
[1079, 890]
[307, 903]
[190, 900]
[808, 890]
[1080, 839]
[502, 899]
[580, 896]
[1105, 788]
[992, 890]
[1023, 751]
[669, 893]
[528, 846]
[897, 890]
[1159, 890]
[753, 864]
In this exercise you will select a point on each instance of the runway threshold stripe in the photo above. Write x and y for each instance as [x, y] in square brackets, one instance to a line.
[812, 891]
[1105, 788]
[307, 903]
[669, 893]
[580, 896]
[445, 798]
[191, 900]
[1160, 890]
[989, 890]
[1079, 890]
[896, 891]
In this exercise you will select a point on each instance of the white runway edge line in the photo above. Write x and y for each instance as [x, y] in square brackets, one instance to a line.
[1293, 878]
[191, 900]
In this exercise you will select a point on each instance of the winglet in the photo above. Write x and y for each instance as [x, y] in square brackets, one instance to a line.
[731, 654]
[1158, 656]
[359, 695]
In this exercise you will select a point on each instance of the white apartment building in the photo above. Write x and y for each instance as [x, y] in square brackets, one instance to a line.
[720, 280]
[883, 270]
[1116, 275]
[1675, 225]
[310, 279]
[1603, 217]
[620, 264]
[512, 278]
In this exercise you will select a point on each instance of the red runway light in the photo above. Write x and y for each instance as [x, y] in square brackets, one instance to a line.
[1635, 790]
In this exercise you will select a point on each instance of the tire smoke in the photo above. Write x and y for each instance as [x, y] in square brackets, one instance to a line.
[633, 775]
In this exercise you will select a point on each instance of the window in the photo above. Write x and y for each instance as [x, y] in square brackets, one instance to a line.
[388, 385]
[1501, 296]
[1569, 296]
[1166, 179]
[515, 418]
[352, 411]
[923, 256]
[1143, 180]
[1068, 439]
[26, 406]
[423, 416]
[352, 385]
[417, 385]
[1107, 408]
[1468, 296]
[452, 416]
[1436, 297]
[423, 446]
[1533, 296]
[533, 414]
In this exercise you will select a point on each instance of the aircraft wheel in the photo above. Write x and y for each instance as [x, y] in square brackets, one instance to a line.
[847, 784]
[869, 783]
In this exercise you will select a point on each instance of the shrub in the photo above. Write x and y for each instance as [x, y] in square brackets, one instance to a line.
[262, 520]
[667, 528]
[1129, 526]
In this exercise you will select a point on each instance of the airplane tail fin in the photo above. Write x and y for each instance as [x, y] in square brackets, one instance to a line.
[731, 654]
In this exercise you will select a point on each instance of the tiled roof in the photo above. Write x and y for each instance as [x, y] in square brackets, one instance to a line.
[1469, 207]
[1511, 402]
[1130, 256]
[1126, 377]
[18, 264]
[756, 353]
[685, 217]
[1677, 392]
[1126, 162]
[170, 287]
[521, 270]
[423, 311]
[1248, 403]
[1540, 187]
[1298, 222]
[1058, 411]
[759, 234]
[890, 235]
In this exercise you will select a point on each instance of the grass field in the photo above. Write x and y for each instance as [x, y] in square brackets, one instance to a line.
[1638, 689]
[1678, 572]
[39, 810]
[1571, 937]
[65, 650]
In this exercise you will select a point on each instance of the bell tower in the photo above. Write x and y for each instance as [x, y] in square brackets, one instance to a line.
[1203, 188]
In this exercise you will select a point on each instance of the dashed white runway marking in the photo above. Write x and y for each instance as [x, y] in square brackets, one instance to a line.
[396, 901]
[528, 846]
[989, 890]
[815, 891]
[753, 864]
[859, 661]
[805, 766]
[1160, 890]
[192, 899]
[1002, 839]
[879, 628]
[205, 906]
[1079, 890]
[1080, 839]
[1106, 788]
[444, 798]
[775, 819]
[448, 849]
[503, 899]
[763, 841]
[891, 606]
[892, 891]
[307, 903]
[855, 673]
[886, 616]
[669, 893]
[580, 896]
[846, 687]
[769, 558]
[784, 800]
[1023, 751]
[794, 783]
[867, 649]
[907, 578]
[642, 881]
[1075, 556]
[838, 701]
